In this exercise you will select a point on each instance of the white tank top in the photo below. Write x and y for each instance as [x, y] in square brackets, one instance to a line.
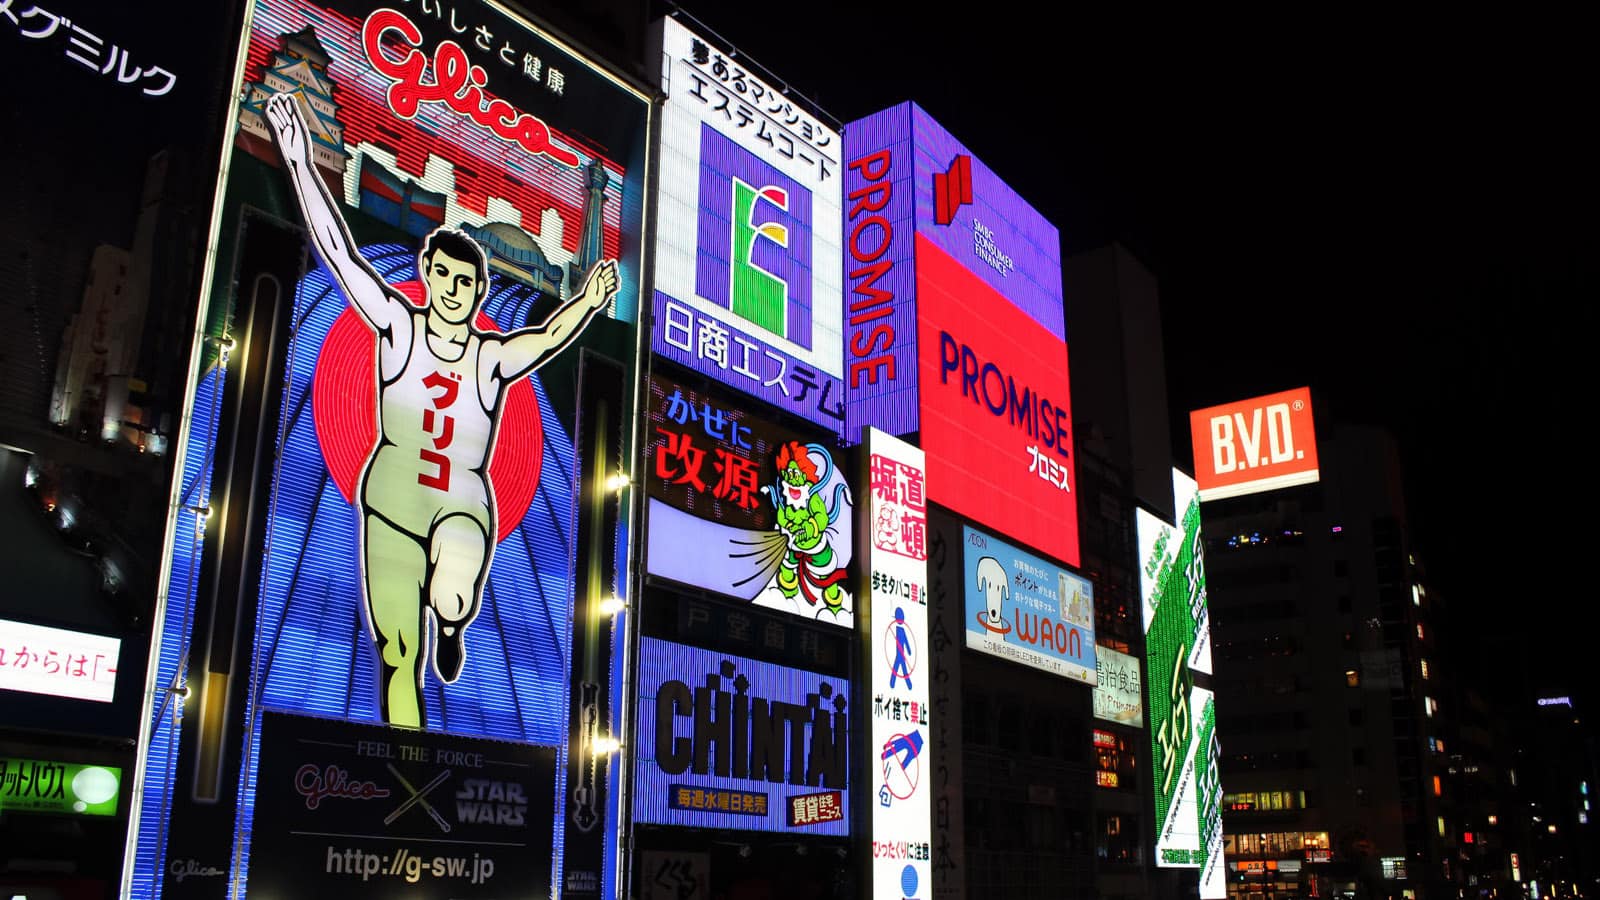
[434, 433]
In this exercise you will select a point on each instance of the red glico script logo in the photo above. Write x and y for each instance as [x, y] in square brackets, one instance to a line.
[457, 83]
[316, 784]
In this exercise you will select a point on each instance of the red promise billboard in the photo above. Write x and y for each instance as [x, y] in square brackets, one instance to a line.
[996, 414]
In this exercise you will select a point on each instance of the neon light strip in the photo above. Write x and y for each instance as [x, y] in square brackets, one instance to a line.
[131, 853]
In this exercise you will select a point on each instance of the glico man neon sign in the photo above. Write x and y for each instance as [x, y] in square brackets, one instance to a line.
[427, 509]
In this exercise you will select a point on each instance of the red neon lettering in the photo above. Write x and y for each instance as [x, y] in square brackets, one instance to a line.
[456, 83]
[871, 302]
[316, 784]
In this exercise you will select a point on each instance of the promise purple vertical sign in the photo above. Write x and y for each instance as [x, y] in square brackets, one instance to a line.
[880, 295]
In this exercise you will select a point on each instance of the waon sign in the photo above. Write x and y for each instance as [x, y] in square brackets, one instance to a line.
[1254, 445]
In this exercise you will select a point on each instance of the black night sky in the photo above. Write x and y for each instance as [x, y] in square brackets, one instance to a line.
[1398, 210]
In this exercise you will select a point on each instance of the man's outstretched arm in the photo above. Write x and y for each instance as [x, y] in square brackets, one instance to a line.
[523, 351]
[367, 291]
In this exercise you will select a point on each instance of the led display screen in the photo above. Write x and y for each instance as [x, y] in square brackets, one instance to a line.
[472, 196]
[900, 666]
[1254, 445]
[996, 416]
[1118, 691]
[424, 452]
[1182, 715]
[357, 811]
[746, 507]
[906, 176]
[57, 662]
[1172, 579]
[1025, 609]
[1208, 803]
[955, 327]
[747, 257]
[733, 743]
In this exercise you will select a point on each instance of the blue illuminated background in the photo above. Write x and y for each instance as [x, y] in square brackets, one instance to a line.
[663, 661]
[313, 651]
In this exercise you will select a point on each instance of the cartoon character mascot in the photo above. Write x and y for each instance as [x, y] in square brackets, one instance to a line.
[811, 567]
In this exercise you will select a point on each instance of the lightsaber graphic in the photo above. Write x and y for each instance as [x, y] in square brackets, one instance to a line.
[418, 797]
[585, 796]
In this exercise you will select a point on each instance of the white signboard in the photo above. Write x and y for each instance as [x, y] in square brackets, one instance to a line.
[1118, 693]
[901, 667]
[41, 660]
[749, 269]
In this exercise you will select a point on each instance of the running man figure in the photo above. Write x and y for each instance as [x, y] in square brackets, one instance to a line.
[427, 511]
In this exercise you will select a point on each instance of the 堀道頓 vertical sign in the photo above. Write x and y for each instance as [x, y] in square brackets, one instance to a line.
[896, 639]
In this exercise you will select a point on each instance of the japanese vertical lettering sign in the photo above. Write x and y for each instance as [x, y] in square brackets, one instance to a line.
[747, 508]
[1178, 646]
[730, 742]
[955, 327]
[1026, 609]
[900, 663]
[472, 195]
[1208, 799]
[747, 262]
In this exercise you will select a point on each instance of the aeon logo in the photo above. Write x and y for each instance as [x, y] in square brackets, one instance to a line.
[753, 239]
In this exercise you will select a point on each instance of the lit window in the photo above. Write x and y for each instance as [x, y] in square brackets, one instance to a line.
[1416, 595]
[1429, 705]
[1420, 635]
[1551, 828]
[1352, 678]
[1494, 820]
[1424, 670]
[1438, 787]
[1441, 826]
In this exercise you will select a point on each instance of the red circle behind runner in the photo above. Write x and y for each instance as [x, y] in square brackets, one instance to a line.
[344, 402]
